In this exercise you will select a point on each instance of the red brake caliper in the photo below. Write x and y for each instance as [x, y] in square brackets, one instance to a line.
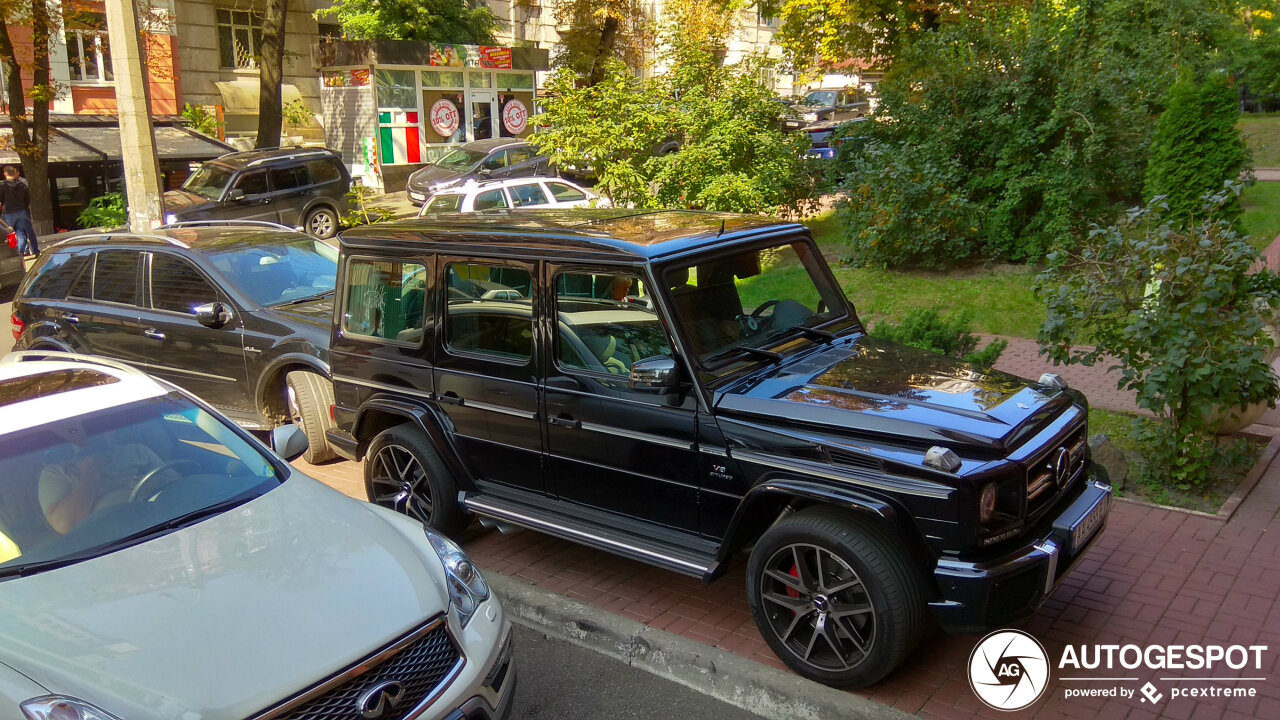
[795, 573]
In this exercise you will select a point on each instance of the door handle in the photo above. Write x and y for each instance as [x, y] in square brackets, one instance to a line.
[450, 398]
[153, 333]
[71, 318]
[566, 422]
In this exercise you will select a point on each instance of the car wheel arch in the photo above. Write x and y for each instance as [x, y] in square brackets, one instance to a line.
[381, 413]
[270, 393]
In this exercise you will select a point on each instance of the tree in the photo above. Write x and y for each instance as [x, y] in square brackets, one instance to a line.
[439, 21]
[31, 134]
[601, 30]
[271, 73]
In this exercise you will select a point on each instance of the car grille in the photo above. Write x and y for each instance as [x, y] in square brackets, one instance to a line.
[1050, 472]
[421, 662]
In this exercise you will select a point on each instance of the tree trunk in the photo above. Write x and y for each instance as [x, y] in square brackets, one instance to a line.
[31, 139]
[271, 73]
[608, 39]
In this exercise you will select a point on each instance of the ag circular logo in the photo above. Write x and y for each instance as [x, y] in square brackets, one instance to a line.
[444, 117]
[1008, 670]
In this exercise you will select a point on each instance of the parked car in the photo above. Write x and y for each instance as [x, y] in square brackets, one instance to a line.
[297, 187]
[826, 137]
[492, 159]
[236, 313]
[679, 388]
[206, 578]
[509, 195]
[833, 104]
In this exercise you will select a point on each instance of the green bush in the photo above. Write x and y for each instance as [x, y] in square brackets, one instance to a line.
[1196, 148]
[200, 119]
[1177, 308]
[360, 211]
[107, 211]
[943, 335]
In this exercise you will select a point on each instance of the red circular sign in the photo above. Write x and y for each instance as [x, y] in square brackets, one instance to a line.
[515, 116]
[444, 117]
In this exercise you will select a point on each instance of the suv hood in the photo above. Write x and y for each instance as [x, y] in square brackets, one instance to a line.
[317, 314]
[226, 617]
[177, 201]
[871, 387]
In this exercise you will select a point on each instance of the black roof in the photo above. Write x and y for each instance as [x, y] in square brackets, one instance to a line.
[622, 234]
[263, 156]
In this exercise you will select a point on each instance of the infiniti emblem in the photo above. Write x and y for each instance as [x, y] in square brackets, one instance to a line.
[380, 699]
[1062, 467]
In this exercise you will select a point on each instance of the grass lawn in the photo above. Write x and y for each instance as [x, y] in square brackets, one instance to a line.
[1261, 218]
[1262, 134]
[999, 300]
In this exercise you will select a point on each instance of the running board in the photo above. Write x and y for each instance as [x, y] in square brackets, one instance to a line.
[594, 532]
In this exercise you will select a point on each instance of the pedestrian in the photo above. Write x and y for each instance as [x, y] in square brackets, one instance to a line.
[15, 210]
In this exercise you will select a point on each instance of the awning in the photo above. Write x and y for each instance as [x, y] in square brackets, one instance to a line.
[101, 143]
[240, 97]
[61, 149]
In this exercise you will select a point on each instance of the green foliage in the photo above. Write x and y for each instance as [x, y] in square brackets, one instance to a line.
[1196, 147]
[1177, 309]
[593, 31]
[438, 21]
[200, 119]
[943, 335]
[360, 211]
[296, 114]
[107, 211]
[1260, 218]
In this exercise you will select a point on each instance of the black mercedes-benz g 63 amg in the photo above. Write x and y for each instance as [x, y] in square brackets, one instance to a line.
[683, 388]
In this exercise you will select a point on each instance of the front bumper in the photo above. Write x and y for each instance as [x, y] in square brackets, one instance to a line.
[485, 690]
[977, 596]
[416, 196]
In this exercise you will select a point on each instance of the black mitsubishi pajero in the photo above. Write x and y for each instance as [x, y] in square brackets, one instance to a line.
[684, 388]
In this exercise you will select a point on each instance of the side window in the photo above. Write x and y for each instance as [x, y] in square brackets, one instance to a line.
[517, 155]
[177, 286]
[57, 274]
[288, 178]
[565, 193]
[385, 300]
[115, 279]
[489, 311]
[496, 160]
[490, 200]
[605, 322]
[83, 286]
[522, 195]
[323, 171]
[252, 183]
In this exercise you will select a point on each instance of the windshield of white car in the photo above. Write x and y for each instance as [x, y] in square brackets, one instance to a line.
[753, 299]
[820, 97]
[208, 182]
[85, 486]
[280, 271]
[460, 159]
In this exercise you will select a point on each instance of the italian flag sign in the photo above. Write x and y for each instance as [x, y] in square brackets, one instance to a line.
[398, 141]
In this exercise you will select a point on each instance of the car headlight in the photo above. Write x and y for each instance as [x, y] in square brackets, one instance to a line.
[61, 707]
[170, 219]
[466, 588]
[810, 117]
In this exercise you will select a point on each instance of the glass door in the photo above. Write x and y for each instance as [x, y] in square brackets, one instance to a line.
[484, 114]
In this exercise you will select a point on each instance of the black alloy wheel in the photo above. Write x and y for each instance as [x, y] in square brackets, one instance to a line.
[403, 472]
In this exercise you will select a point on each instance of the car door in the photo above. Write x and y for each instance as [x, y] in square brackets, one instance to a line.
[249, 198]
[291, 190]
[208, 362]
[609, 447]
[485, 375]
[494, 167]
[102, 304]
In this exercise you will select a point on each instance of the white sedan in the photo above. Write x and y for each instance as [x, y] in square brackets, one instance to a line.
[157, 562]
[540, 193]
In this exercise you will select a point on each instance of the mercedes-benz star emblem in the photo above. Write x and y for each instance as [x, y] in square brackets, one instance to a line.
[381, 699]
[1062, 467]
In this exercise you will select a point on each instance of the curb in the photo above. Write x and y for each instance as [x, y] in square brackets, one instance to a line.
[757, 688]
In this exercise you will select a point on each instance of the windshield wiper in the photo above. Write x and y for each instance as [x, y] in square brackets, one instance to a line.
[769, 355]
[307, 299]
[812, 332]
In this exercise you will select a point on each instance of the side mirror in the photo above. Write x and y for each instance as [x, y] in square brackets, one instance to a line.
[213, 315]
[485, 172]
[289, 442]
[656, 375]
[236, 195]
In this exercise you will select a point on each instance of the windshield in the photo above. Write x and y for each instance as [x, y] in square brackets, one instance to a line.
[275, 270]
[820, 97]
[447, 203]
[753, 298]
[209, 181]
[88, 485]
[460, 159]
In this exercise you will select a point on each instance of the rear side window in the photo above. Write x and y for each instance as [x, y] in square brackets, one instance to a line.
[288, 178]
[565, 193]
[177, 286]
[384, 300]
[489, 311]
[323, 171]
[115, 279]
[490, 200]
[522, 195]
[56, 275]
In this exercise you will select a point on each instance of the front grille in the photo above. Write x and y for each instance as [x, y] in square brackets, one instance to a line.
[420, 663]
[1044, 483]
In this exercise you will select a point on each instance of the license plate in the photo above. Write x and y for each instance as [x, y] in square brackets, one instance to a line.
[1087, 526]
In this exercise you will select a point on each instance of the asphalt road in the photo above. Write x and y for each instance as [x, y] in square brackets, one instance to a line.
[561, 681]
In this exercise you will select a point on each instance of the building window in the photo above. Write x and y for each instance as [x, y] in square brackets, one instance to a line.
[239, 35]
[88, 56]
[767, 14]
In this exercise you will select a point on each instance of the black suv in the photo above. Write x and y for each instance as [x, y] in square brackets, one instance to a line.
[685, 389]
[297, 187]
[238, 315]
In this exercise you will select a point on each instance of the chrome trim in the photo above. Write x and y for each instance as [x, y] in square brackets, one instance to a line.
[637, 435]
[501, 409]
[537, 523]
[717, 451]
[906, 486]
[371, 662]
[384, 386]
[187, 372]
[1050, 548]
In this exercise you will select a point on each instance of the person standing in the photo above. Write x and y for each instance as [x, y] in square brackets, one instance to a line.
[15, 210]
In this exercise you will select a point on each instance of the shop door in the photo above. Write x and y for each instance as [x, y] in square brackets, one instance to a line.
[484, 114]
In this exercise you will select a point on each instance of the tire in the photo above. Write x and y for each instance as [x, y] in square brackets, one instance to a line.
[853, 569]
[402, 471]
[308, 397]
[322, 222]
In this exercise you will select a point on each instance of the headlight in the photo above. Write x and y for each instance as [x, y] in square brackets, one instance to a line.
[987, 504]
[60, 707]
[170, 219]
[810, 117]
[442, 185]
[466, 588]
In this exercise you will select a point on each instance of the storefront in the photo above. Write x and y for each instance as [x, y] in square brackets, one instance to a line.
[392, 105]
